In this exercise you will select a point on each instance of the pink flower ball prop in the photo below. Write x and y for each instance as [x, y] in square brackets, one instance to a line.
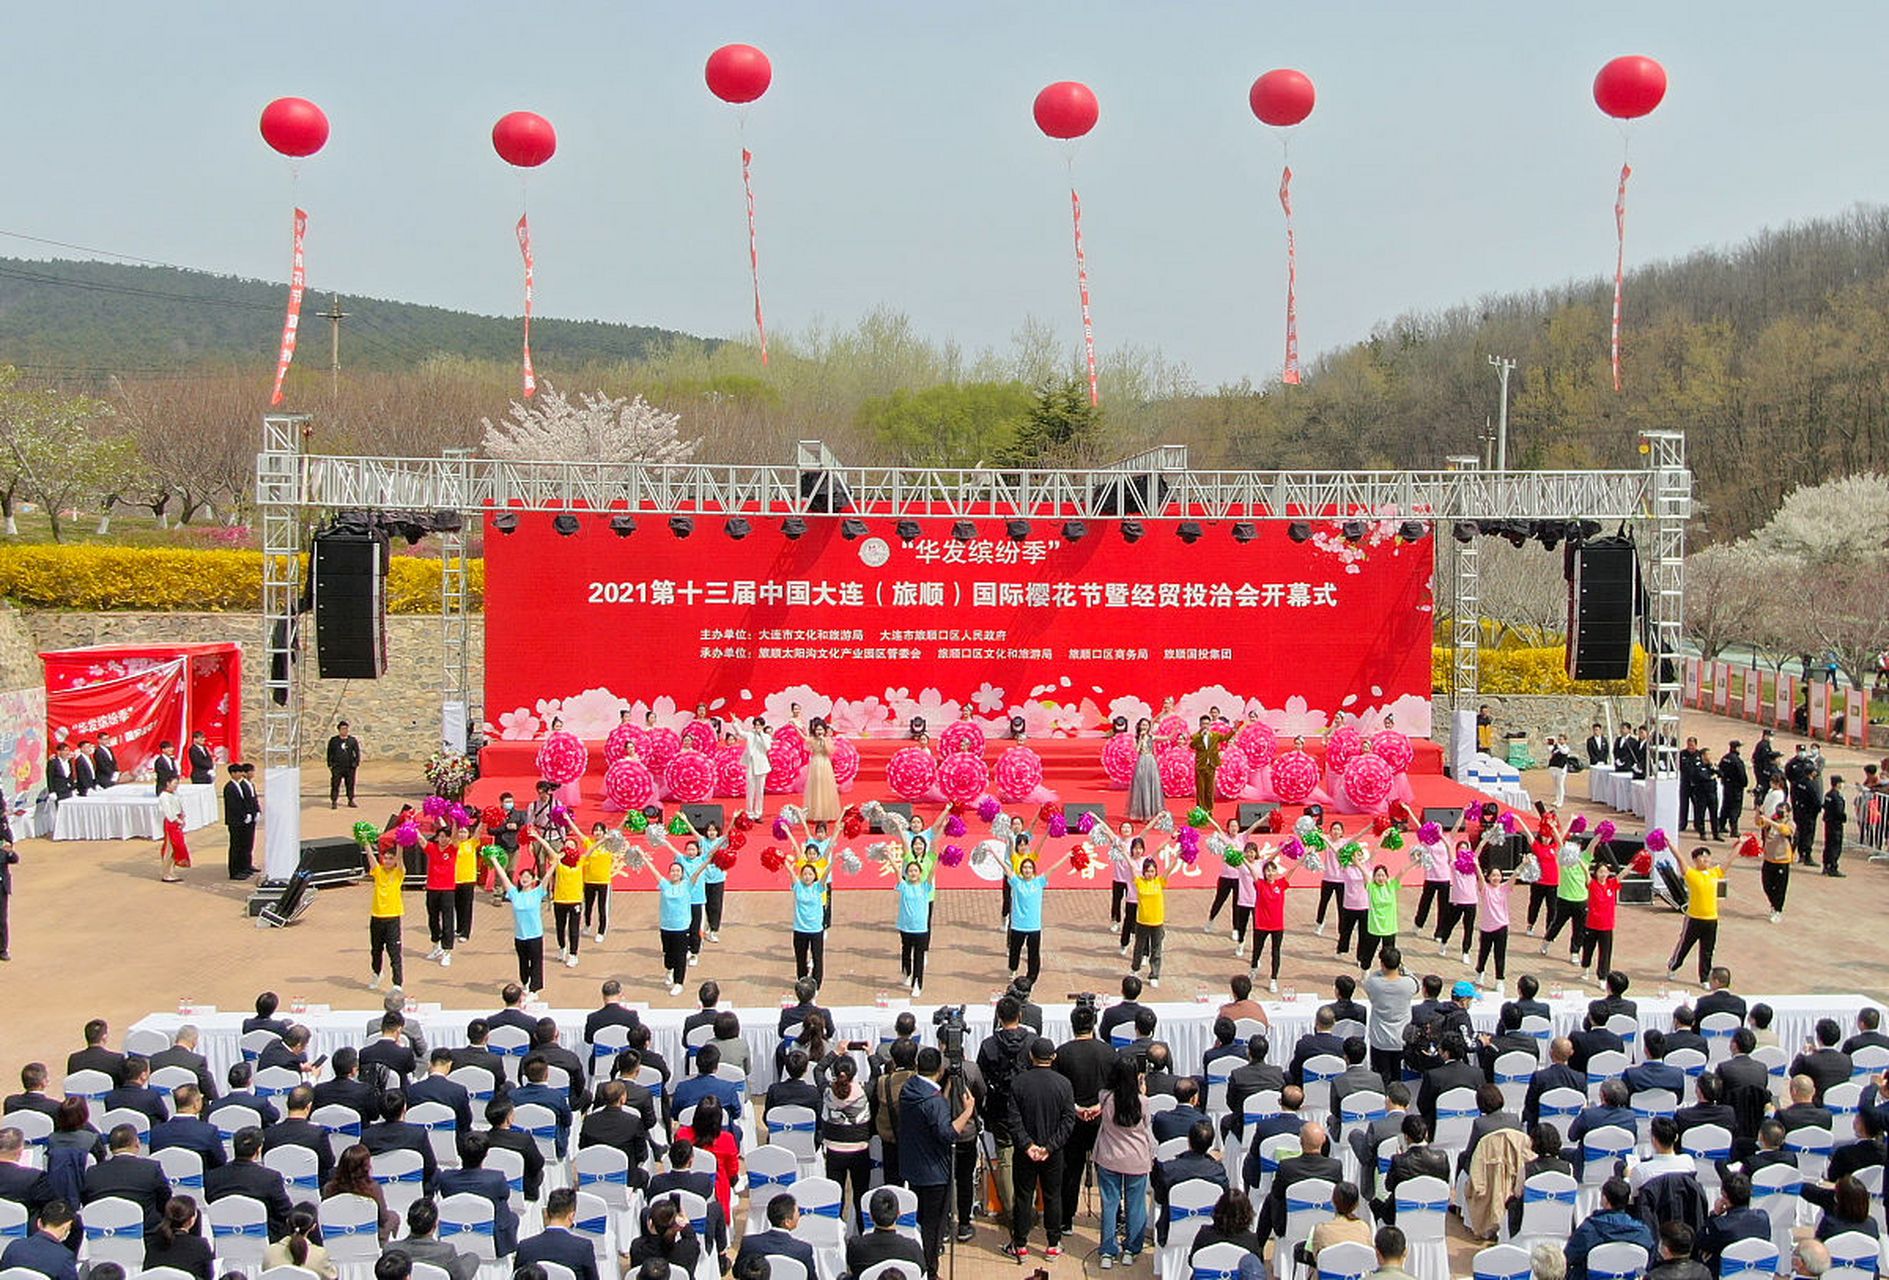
[1118, 759]
[961, 736]
[1177, 771]
[1170, 728]
[1231, 777]
[962, 777]
[910, 772]
[628, 784]
[563, 758]
[1294, 776]
[731, 776]
[1345, 745]
[1019, 772]
[621, 739]
[845, 761]
[791, 746]
[689, 777]
[663, 746]
[1258, 743]
[1393, 748]
[785, 761]
[698, 735]
[1368, 781]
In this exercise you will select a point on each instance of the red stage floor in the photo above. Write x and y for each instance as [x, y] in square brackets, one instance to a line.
[1071, 768]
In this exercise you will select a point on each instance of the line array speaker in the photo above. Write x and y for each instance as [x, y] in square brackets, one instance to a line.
[1600, 610]
[350, 577]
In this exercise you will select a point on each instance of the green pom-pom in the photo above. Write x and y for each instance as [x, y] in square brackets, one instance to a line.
[636, 822]
[1198, 818]
[366, 834]
[496, 855]
[678, 826]
[1393, 839]
[1236, 857]
[1350, 854]
[1313, 839]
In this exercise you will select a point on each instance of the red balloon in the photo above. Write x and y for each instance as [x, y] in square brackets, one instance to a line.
[524, 138]
[294, 126]
[1630, 87]
[1282, 98]
[1066, 109]
[738, 73]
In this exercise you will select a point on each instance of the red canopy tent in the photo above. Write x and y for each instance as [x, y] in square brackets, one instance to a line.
[145, 694]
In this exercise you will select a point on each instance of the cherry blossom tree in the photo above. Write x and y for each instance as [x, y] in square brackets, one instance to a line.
[598, 428]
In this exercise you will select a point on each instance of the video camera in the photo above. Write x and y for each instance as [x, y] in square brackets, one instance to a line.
[949, 1020]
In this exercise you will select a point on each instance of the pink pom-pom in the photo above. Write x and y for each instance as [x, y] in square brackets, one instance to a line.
[910, 772]
[628, 784]
[1605, 831]
[1465, 861]
[1019, 772]
[1343, 746]
[1118, 759]
[1230, 779]
[563, 758]
[1578, 825]
[731, 775]
[1258, 743]
[962, 777]
[1510, 823]
[1189, 841]
[689, 777]
[560, 815]
[621, 739]
[988, 809]
[698, 735]
[1086, 823]
[780, 829]
[459, 815]
[1393, 748]
[961, 736]
[951, 855]
[434, 806]
[1294, 776]
[407, 833]
[845, 761]
[1656, 840]
[1429, 833]
[664, 745]
[1177, 771]
[954, 826]
[1293, 848]
[1058, 826]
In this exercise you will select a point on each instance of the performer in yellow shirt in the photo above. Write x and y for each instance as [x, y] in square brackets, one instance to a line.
[1701, 926]
[601, 866]
[567, 892]
[465, 880]
[1151, 879]
[389, 872]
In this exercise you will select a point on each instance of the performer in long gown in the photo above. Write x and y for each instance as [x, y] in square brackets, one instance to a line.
[823, 792]
[1144, 791]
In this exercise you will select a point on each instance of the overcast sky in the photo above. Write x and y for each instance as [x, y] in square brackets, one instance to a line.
[1455, 150]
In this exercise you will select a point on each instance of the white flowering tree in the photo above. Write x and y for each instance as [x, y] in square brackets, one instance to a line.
[598, 428]
[1829, 544]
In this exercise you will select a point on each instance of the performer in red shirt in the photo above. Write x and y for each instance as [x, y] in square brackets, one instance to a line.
[1269, 906]
[1603, 897]
[442, 884]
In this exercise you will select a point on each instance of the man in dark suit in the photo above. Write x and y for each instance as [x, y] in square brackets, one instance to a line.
[641, 1041]
[134, 1092]
[96, 1056]
[612, 1013]
[474, 1053]
[1357, 1078]
[344, 758]
[1733, 1219]
[188, 1129]
[297, 1130]
[1418, 1159]
[265, 1020]
[1178, 1119]
[1197, 1162]
[1733, 782]
[560, 1244]
[1257, 1076]
[1868, 1032]
[83, 779]
[1508, 1038]
[164, 764]
[1624, 750]
[1613, 1111]
[502, 1135]
[183, 1053]
[1654, 1073]
[1710, 1108]
[9, 856]
[545, 1044]
[537, 1092]
[32, 1095]
[393, 1133]
[1592, 1038]
[347, 1089]
[884, 1242]
[1720, 998]
[202, 760]
[436, 1086]
[240, 808]
[21, 1183]
[59, 780]
[680, 1175]
[473, 1178]
[46, 1250]
[391, 1052]
[105, 760]
[638, 1097]
[1599, 751]
[928, 1140]
[246, 1175]
[291, 1051]
[129, 1174]
[1317, 1043]
[512, 996]
[613, 1124]
[1123, 1012]
[1527, 988]
[1685, 1032]
[783, 1215]
[1295, 1169]
[1455, 1072]
[1850, 1157]
[1556, 1075]
[708, 997]
[241, 1096]
[1822, 1061]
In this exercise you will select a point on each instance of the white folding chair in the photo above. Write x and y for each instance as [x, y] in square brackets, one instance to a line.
[287, 1272]
[1559, 1107]
[1257, 1106]
[772, 1169]
[125, 1115]
[605, 1173]
[1690, 1061]
[254, 1042]
[1456, 1111]
[1755, 1258]
[1362, 1108]
[1548, 1201]
[595, 1221]
[401, 1175]
[511, 1044]
[1777, 1190]
[421, 1271]
[1603, 1067]
[1156, 1103]
[1853, 1256]
[468, 1223]
[272, 1083]
[170, 1079]
[1245, 1029]
[22, 1273]
[1777, 1066]
[114, 1232]
[35, 1127]
[300, 1169]
[1422, 1206]
[1616, 1260]
[350, 1229]
[342, 1125]
[542, 1124]
[1628, 1029]
[908, 1208]
[512, 1164]
[818, 1197]
[1513, 1070]
[1172, 1147]
[442, 1131]
[1650, 1104]
[1718, 1030]
[1812, 1148]
[183, 1169]
[1346, 1260]
[1539, 1027]
[142, 1042]
[557, 1271]
[478, 1083]
[557, 1077]
[1600, 1149]
[611, 1041]
[693, 1039]
[827, 1237]
[1317, 1073]
[90, 1085]
[1217, 1072]
[1870, 1175]
[1281, 1146]
[1501, 1262]
[1345, 1028]
[1868, 1062]
[781, 1267]
[890, 1268]
[1308, 1203]
[239, 1229]
[166, 1273]
[1843, 1101]
[793, 1128]
[695, 1209]
[12, 1223]
[1217, 1262]
[231, 1120]
[1190, 1207]
[1707, 1144]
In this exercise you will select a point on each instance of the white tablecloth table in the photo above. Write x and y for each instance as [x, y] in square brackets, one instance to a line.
[128, 811]
[1186, 1028]
[1619, 790]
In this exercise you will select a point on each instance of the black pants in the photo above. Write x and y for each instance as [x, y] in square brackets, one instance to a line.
[1150, 940]
[1435, 892]
[1389, 1064]
[1832, 846]
[530, 962]
[383, 939]
[597, 907]
[1349, 922]
[1117, 892]
[567, 916]
[912, 949]
[1455, 914]
[441, 917]
[933, 1203]
[1031, 940]
[716, 893]
[1540, 896]
[335, 782]
[1223, 890]
[1731, 807]
[964, 1173]
[1004, 913]
[1075, 1159]
[242, 850]
[5, 899]
[1704, 810]
[1806, 820]
[1598, 943]
[854, 1167]
[695, 928]
[1242, 921]
[462, 909]
[1329, 891]
[1368, 943]
[675, 954]
[1128, 924]
[1262, 938]
[1705, 934]
[1566, 913]
[1495, 942]
[1026, 1175]
[1776, 878]
[810, 956]
[889, 1163]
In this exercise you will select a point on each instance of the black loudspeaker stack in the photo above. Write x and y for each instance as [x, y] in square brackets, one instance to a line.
[1600, 610]
[350, 576]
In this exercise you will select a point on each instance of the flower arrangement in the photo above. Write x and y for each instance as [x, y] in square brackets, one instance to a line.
[449, 773]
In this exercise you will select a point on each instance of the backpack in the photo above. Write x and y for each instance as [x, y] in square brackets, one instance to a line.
[65, 1172]
[886, 1119]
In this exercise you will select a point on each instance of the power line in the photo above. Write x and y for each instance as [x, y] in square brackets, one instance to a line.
[98, 286]
[104, 253]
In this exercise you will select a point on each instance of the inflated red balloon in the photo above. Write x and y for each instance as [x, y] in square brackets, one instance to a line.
[524, 138]
[738, 73]
[1282, 97]
[1630, 87]
[1066, 109]
[294, 126]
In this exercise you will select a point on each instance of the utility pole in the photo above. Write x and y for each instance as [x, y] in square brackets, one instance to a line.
[334, 315]
[1502, 367]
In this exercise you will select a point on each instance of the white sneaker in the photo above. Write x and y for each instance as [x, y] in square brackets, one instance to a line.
[1155, 983]
[570, 962]
[1777, 917]
[1124, 948]
[1234, 934]
[446, 960]
[1671, 974]
[436, 952]
[560, 959]
[1272, 985]
[1544, 949]
[395, 991]
[600, 937]
[675, 988]
[712, 936]
[1239, 948]
[1502, 990]
[1207, 927]
[1443, 948]
[1465, 957]
[373, 983]
[1108, 1262]
[1319, 932]
[917, 991]
[693, 957]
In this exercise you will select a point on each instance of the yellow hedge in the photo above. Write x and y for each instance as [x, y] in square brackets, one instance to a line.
[162, 580]
[1541, 670]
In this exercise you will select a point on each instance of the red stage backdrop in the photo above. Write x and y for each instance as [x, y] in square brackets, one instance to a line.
[873, 632]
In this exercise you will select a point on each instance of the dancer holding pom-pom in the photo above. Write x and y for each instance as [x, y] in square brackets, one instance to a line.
[1026, 912]
[1228, 887]
[1603, 901]
[812, 875]
[1493, 916]
[695, 856]
[916, 883]
[1269, 907]
[1465, 894]
[601, 864]
[1701, 927]
[527, 902]
[1151, 882]
[672, 916]
[1380, 924]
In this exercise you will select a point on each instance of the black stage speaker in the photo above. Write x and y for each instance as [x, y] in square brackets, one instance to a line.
[1248, 814]
[1600, 610]
[332, 860]
[1444, 817]
[1636, 890]
[1509, 854]
[1072, 814]
[1620, 850]
[825, 492]
[350, 605]
[700, 815]
[890, 806]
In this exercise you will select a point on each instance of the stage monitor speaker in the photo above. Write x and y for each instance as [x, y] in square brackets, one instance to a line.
[1072, 814]
[1248, 814]
[350, 580]
[700, 815]
[1444, 816]
[890, 806]
[332, 860]
[1600, 610]
[1508, 855]
[1636, 890]
[1620, 850]
[825, 492]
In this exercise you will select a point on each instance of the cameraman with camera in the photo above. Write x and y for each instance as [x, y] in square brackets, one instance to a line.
[928, 1138]
[1001, 1058]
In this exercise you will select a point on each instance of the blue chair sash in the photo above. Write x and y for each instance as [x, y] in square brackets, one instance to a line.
[16, 1231]
[822, 1210]
[1596, 1274]
[770, 1180]
[1178, 1214]
[798, 1126]
[1362, 1117]
[1340, 1275]
[401, 1179]
[701, 1225]
[134, 1230]
[1295, 1205]
[1456, 1113]
[908, 1220]
[1791, 1189]
[516, 1184]
[480, 1228]
[190, 1182]
[352, 1128]
[310, 1183]
[1383, 1165]
[1423, 1206]
[593, 1226]
[247, 1230]
[614, 1177]
[1523, 1274]
[1541, 1195]
[510, 1051]
[1739, 1267]
[449, 1124]
[355, 1228]
[544, 1132]
[1211, 1273]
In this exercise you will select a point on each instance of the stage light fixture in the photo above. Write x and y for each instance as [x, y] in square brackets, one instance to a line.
[1019, 530]
[963, 531]
[1412, 530]
[623, 526]
[1131, 531]
[1489, 528]
[1189, 532]
[447, 521]
[1245, 531]
[1463, 531]
[1074, 530]
[852, 528]
[1517, 532]
[681, 526]
[1299, 531]
[794, 527]
[737, 528]
[565, 524]
[505, 522]
[908, 530]
[1353, 530]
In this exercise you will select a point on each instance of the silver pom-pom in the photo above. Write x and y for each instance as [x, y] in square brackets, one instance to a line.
[1001, 827]
[613, 842]
[886, 852]
[1164, 822]
[1529, 872]
[871, 811]
[1312, 861]
[635, 858]
[893, 820]
[1305, 824]
[793, 815]
[989, 851]
[1217, 844]
[850, 862]
[1570, 854]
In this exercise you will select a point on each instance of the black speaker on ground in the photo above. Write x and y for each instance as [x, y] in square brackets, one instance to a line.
[700, 815]
[1507, 855]
[332, 860]
[824, 492]
[1636, 891]
[350, 578]
[1621, 850]
[1444, 816]
[1247, 814]
[1600, 610]
[1072, 814]
[899, 807]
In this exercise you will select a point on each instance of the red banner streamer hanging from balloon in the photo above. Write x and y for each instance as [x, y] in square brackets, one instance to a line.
[754, 252]
[1291, 375]
[291, 323]
[524, 247]
[1082, 290]
[1620, 262]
